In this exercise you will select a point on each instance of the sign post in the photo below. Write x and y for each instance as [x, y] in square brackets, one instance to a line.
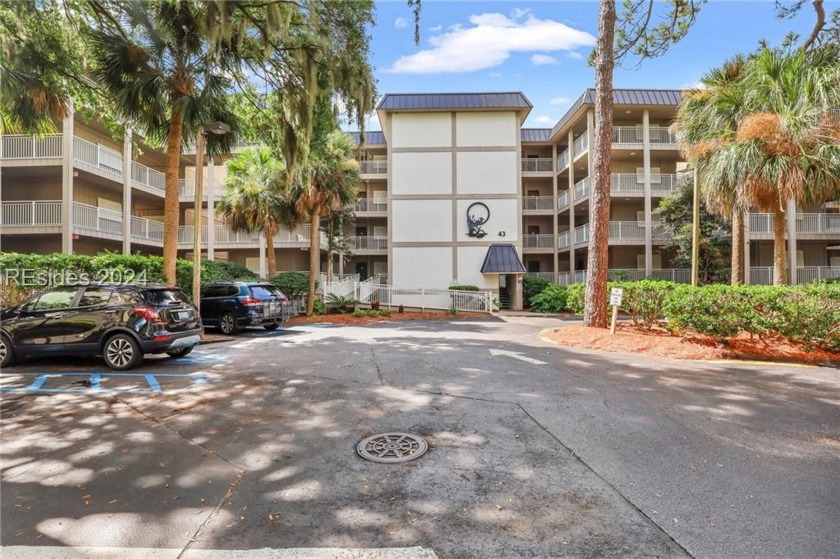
[616, 295]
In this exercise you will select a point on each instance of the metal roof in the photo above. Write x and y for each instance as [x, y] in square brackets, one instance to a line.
[502, 259]
[439, 101]
[665, 97]
[535, 134]
[372, 138]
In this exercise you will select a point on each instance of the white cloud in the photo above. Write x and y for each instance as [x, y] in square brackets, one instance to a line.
[488, 41]
[542, 59]
[400, 23]
[436, 28]
[574, 54]
[517, 13]
[544, 119]
[560, 101]
[495, 74]
[693, 85]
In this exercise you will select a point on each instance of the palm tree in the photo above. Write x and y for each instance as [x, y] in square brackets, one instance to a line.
[778, 143]
[706, 119]
[330, 183]
[153, 58]
[255, 200]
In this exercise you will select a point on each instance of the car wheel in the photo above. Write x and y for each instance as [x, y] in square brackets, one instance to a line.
[7, 354]
[122, 352]
[227, 323]
[274, 326]
[184, 351]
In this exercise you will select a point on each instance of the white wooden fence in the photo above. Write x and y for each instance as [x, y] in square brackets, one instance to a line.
[415, 297]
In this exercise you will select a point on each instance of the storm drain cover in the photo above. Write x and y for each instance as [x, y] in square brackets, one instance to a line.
[390, 448]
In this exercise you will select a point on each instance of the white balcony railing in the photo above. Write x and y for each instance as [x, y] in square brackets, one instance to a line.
[563, 199]
[807, 274]
[31, 213]
[24, 146]
[563, 160]
[581, 144]
[371, 205]
[537, 165]
[563, 239]
[94, 218]
[633, 136]
[761, 275]
[375, 167]
[661, 135]
[538, 241]
[145, 176]
[544, 275]
[582, 188]
[97, 157]
[580, 276]
[146, 229]
[368, 243]
[536, 203]
[627, 231]
[563, 278]
[582, 233]
[818, 224]
[627, 183]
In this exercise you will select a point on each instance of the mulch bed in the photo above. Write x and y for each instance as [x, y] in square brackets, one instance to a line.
[658, 342]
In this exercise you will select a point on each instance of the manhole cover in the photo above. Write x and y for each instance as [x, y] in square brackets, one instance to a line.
[390, 448]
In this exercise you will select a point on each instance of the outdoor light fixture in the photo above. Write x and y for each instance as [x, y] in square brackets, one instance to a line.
[217, 129]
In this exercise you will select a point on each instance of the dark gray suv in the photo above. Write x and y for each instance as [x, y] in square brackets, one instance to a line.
[233, 305]
[119, 322]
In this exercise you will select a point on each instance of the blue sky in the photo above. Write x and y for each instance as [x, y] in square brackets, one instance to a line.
[540, 48]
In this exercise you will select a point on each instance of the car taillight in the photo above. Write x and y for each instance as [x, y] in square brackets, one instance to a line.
[251, 302]
[151, 314]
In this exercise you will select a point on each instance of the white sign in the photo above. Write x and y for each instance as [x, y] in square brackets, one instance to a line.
[616, 294]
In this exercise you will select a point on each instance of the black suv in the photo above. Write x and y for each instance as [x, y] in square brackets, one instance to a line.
[119, 322]
[232, 305]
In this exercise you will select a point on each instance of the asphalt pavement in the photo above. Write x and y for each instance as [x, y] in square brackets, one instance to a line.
[534, 451]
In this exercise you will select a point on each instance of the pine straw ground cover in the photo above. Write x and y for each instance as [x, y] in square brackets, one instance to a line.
[658, 342]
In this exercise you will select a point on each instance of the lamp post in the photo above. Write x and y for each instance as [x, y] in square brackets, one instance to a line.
[217, 129]
[695, 232]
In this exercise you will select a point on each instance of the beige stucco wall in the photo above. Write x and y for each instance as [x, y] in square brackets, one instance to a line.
[422, 220]
[421, 173]
[421, 130]
[486, 129]
[492, 172]
[422, 267]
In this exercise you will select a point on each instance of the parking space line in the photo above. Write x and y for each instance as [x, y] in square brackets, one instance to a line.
[153, 383]
[95, 382]
[39, 382]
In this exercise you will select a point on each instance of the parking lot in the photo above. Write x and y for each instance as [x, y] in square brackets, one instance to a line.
[533, 450]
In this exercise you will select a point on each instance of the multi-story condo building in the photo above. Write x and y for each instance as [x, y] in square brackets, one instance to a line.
[454, 191]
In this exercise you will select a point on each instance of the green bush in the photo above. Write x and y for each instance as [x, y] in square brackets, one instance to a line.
[645, 300]
[464, 288]
[318, 307]
[295, 285]
[574, 297]
[340, 302]
[360, 313]
[531, 287]
[552, 299]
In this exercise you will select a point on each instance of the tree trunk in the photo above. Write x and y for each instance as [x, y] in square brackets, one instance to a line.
[595, 307]
[314, 259]
[171, 206]
[779, 250]
[271, 257]
[330, 250]
[737, 247]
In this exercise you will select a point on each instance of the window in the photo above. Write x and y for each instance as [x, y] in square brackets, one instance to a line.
[533, 229]
[213, 291]
[94, 297]
[61, 298]
[165, 297]
[534, 266]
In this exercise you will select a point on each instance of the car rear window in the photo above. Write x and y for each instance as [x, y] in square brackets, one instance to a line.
[165, 297]
[266, 291]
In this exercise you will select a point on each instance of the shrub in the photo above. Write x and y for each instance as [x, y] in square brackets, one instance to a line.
[360, 313]
[464, 288]
[531, 287]
[574, 297]
[318, 307]
[295, 285]
[645, 300]
[341, 303]
[552, 299]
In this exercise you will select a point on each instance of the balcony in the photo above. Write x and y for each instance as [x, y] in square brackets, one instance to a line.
[563, 199]
[24, 146]
[582, 188]
[96, 220]
[563, 160]
[537, 203]
[371, 205]
[147, 179]
[563, 239]
[538, 242]
[548, 276]
[537, 165]
[34, 213]
[98, 159]
[623, 232]
[632, 137]
[375, 167]
[806, 224]
[676, 275]
[581, 144]
[146, 231]
[367, 244]
[582, 234]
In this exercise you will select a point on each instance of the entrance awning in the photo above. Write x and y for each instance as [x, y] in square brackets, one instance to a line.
[502, 259]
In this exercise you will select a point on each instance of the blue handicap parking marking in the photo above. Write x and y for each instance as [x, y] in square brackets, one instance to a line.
[94, 382]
